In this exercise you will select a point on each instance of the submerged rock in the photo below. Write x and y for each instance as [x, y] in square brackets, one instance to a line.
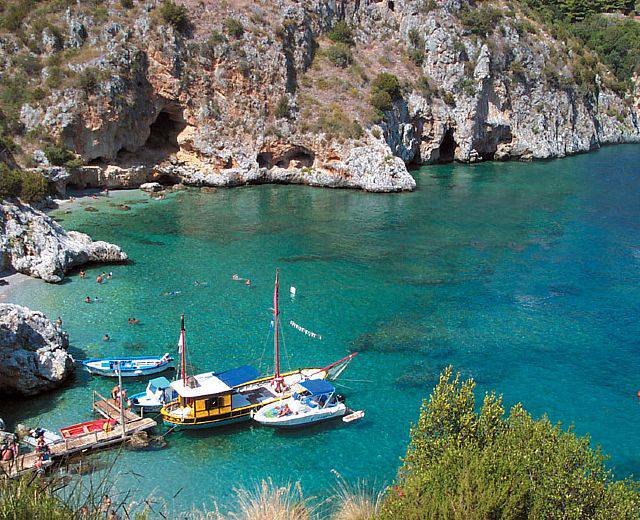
[32, 243]
[33, 352]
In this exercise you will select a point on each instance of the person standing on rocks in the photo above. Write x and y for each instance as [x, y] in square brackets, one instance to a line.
[59, 322]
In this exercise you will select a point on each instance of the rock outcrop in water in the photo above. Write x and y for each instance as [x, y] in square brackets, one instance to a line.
[33, 352]
[255, 92]
[34, 244]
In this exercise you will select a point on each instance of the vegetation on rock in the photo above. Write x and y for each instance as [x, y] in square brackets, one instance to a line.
[468, 464]
[26, 185]
[175, 15]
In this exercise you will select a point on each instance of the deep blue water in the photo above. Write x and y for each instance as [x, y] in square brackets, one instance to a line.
[523, 276]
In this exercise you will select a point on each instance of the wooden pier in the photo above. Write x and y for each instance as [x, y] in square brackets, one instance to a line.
[85, 442]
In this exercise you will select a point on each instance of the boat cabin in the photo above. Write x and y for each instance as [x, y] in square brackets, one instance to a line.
[315, 393]
[160, 388]
[211, 394]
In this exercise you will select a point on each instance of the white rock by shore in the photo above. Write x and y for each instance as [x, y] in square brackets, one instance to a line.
[33, 352]
[32, 243]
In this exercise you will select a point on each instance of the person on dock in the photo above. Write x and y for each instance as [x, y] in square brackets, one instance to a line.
[115, 392]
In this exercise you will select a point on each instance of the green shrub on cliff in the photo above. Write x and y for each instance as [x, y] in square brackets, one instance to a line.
[468, 464]
[28, 186]
[341, 33]
[234, 27]
[175, 15]
[282, 108]
[58, 155]
[481, 21]
[340, 55]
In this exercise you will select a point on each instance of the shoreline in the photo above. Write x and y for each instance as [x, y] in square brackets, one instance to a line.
[13, 280]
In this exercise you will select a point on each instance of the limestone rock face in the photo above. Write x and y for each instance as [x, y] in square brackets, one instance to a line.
[207, 108]
[33, 352]
[32, 243]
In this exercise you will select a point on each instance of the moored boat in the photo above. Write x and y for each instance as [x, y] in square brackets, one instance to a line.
[49, 437]
[129, 366]
[97, 425]
[156, 395]
[216, 399]
[313, 401]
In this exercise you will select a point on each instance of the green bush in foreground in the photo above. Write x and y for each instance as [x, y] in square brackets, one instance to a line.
[462, 464]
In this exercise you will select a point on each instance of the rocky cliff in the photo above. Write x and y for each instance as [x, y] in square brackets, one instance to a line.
[33, 352]
[34, 244]
[249, 92]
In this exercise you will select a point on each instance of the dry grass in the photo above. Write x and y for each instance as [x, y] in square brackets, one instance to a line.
[268, 501]
[357, 502]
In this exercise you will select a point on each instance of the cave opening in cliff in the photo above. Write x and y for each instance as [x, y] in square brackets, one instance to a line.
[296, 157]
[448, 147]
[164, 131]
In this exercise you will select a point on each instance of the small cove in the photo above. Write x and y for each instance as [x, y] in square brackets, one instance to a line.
[523, 276]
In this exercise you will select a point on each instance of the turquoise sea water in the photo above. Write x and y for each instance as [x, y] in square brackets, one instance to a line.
[524, 276]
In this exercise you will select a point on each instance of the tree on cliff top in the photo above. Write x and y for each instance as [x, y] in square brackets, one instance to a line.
[464, 464]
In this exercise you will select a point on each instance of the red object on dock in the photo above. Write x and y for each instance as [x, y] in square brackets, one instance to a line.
[86, 427]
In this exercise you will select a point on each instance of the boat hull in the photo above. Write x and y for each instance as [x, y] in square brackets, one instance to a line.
[200, 426]
[100, 367]
[300, 420]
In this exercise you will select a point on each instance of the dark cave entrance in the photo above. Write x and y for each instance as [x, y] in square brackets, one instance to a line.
[447, 147]
[297, 157]
[164, 132]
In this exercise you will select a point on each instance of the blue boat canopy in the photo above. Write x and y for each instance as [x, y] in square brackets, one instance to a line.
[160, 382]
[237, 376]
[318, 386]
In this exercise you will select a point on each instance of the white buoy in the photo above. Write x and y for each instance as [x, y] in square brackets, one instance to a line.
[292, 291]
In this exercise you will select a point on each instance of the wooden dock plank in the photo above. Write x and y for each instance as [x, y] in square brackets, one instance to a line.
[88, 441]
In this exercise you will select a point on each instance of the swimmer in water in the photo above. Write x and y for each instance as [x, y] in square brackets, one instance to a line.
[248, 282]
[82, 274]
[106, 337]
[235, 277]
[87, 299]
[109, 276]
[99, 279]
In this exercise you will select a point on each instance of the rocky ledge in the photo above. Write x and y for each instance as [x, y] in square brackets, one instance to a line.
[33, 352]
[34, 244]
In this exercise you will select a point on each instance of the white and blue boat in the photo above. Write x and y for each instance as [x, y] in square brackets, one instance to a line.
[313, 401]
[157, 394]
[129, 366]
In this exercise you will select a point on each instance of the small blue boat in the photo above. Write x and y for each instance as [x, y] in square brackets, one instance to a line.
[129, 366]
[157, 394]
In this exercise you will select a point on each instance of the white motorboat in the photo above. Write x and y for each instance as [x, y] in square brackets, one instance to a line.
[157, 394]
[313, 401]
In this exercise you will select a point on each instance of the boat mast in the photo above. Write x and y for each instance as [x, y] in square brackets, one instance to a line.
[183, 348]
[277, 378]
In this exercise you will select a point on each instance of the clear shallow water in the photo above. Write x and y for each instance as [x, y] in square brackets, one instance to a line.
[524, 276]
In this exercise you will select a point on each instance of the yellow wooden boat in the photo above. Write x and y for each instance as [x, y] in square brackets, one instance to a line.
[220, 398]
